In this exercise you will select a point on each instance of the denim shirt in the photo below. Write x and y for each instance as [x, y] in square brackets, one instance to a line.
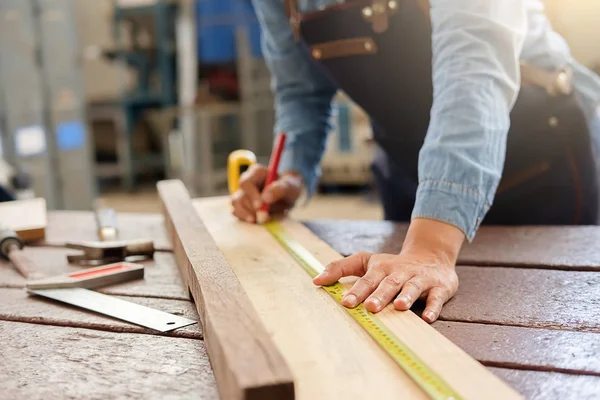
[476, 46]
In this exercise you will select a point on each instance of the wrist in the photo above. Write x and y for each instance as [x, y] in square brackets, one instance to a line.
[439, 239]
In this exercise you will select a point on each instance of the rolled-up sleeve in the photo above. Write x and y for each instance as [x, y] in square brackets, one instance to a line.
[303, 94]
[476, 46]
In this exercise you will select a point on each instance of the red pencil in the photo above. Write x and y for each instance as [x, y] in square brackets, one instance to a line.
[263, 214]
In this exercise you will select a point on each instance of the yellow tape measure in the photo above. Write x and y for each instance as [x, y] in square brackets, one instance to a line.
[428, 380]
[424, 377]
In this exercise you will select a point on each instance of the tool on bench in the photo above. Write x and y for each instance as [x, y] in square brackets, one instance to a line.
[11, 247]
[95, 253]
[91, 278]
[427, 379]
[106, 220]
[25, 217]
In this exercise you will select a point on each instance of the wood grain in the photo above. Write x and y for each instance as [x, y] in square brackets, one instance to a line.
[526, 348]
[329, 353]
[527, 297]
[53, 362]
[17, 305]
[547, 247]
[161, 278]
[26, 217]
[247, 364]
[539, 385]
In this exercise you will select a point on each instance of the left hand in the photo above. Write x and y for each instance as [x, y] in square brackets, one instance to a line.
[424, 269]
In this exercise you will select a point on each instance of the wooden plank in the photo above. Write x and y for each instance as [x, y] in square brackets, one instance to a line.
[26, 217]
[526, 348]
[161, 277]
[246, 362]
[81, 225]
[43, 362]
[329, 353]
[538, 385]
[527, 297]
[548, 247]
[17, 305]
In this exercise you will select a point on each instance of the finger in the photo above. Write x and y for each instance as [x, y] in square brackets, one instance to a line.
[410, 293]
[276, 191]
[363, 287]
[435, 301]
[355, 265]
[386, 291]
[242, 207]
[250, 181]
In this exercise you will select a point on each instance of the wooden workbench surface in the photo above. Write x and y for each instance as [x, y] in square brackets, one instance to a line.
[528, 308]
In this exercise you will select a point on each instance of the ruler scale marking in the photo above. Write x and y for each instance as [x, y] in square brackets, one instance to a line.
[429, 381]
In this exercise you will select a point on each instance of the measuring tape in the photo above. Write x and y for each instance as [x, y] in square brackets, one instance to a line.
[426, 379]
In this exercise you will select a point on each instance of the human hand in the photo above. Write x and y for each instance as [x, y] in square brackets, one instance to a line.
[419, 271]
[281, 195]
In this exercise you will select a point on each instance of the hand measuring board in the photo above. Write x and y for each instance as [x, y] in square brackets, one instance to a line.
[91, 278]
[117, 308]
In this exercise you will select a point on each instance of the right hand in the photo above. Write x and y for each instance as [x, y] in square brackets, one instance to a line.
[281, 195]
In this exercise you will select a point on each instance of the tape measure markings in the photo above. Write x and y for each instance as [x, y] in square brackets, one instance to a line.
[430, 382]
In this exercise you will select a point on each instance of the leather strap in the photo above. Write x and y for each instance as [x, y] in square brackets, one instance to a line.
[343, 48]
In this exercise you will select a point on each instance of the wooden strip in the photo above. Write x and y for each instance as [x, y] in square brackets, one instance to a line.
[527, 348]
[527, 297]
[161, 278]
[26, 217]
[17, 305]
[548, 247]
[81, 225]
[329, 353]
[247, 364]
[538, 385]
[44, 362]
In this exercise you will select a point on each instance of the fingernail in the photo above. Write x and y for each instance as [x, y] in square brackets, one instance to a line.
[257, 204]
[405, 300]
[350, 300]
[375, 301]
[322, 274]
[429, 315]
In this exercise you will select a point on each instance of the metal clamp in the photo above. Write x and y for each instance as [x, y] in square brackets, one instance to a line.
[96, 253]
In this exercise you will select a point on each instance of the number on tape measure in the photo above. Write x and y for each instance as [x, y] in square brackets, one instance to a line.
[430, 382]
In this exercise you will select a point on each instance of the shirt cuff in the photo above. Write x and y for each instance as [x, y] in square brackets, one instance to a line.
[452, 203]
[293, 160]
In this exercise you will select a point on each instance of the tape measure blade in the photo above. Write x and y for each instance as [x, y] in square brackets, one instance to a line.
[429, 381]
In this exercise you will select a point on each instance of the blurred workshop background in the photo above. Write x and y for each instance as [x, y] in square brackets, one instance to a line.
[102, 98]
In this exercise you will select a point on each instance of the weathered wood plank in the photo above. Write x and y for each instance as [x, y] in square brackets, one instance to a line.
[81, 225]
[161, 277]
[331, 356]
[564, 247]
[527, 348]
[246, 362]
[17, 305]
[527, 297]
[538, 385]
[59, 362]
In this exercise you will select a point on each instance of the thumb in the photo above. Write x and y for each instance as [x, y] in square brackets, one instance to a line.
[276, 191]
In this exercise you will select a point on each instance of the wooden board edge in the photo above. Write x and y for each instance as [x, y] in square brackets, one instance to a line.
[246, 362]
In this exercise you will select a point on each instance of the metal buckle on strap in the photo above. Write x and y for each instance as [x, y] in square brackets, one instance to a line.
[554, 82]
[378, 14]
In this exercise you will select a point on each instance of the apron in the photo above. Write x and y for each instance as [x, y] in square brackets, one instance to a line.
[379, 53]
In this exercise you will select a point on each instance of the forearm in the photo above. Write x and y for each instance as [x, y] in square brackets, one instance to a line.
[476, 46]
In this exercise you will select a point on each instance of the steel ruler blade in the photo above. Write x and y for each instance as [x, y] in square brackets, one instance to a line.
[117, 308]
[429, 381]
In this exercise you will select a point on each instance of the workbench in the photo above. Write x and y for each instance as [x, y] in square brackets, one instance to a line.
[528, 307]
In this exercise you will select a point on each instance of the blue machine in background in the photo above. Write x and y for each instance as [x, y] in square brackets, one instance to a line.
[218, 22]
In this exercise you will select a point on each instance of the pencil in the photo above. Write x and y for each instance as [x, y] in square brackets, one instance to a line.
[262, 215]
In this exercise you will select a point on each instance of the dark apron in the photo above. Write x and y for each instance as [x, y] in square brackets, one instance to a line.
[383, 62]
